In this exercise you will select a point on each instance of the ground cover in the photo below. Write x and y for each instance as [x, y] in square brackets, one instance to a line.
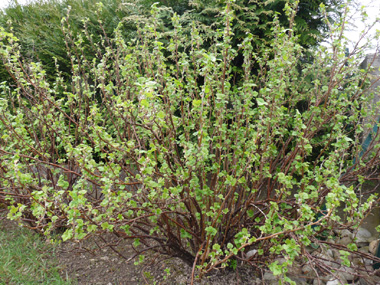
[26, 258]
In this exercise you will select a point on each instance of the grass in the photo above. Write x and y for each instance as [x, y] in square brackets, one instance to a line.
[25, 257]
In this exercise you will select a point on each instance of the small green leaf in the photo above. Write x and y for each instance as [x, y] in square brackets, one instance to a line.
[211, 231]
[261, 102]
[352, 247]
[144, 103]
[197, 103]
[68, 234]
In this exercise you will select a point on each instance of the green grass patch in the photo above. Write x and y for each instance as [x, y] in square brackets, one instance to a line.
[26, 258]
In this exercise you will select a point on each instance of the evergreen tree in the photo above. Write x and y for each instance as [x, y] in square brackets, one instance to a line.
[38, 25]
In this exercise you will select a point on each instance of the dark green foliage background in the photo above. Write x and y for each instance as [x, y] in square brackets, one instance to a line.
[38, 25]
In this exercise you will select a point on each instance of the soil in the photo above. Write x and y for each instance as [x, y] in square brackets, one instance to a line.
[92, 261]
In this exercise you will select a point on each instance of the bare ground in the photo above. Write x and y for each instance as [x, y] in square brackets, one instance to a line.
[93, 262]
[89, 263]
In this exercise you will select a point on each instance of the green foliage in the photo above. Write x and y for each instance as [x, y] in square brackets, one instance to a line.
[38, 24]
[38, 27]
[256, 17]
[253, 17]
[154, 142]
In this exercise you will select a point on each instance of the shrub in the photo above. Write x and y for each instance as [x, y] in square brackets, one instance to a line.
[158, 145]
